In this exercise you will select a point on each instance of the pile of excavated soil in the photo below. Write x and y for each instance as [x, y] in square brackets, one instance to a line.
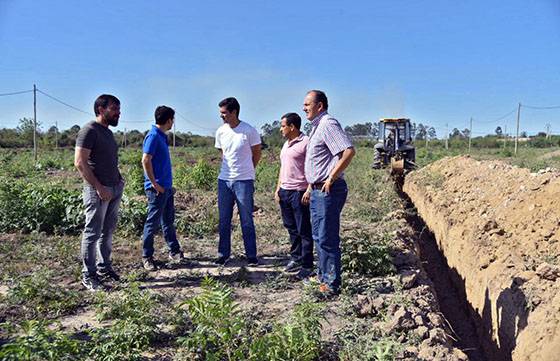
[498, 228]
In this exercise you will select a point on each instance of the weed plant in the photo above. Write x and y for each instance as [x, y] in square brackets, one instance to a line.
[367, 254]
[39, 296]
[35, 341]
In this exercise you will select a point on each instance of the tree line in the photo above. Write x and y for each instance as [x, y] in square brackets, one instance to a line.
[22, 137]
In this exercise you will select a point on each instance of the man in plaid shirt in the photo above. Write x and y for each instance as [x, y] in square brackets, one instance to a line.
[329, 152]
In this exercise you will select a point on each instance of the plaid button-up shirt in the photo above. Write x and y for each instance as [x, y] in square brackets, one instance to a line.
[327, 141]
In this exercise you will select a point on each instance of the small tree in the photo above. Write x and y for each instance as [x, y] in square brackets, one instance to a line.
[499, 131]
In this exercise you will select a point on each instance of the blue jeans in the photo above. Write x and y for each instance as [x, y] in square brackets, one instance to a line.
[325, 220]
[161, 211]
[241, 193]
[296, 219]
[101, 221]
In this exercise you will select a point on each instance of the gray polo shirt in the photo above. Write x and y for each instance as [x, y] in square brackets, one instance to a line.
[327, 141]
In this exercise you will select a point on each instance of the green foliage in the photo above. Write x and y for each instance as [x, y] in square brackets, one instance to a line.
[132, 215]
[199, 225]
[136, 313]
[124, 340]
[218, 328]
[43, 207]
[367, 254]
[36, 342]
[297, 339]
[41, 297]
[267, 175]
[202, 175]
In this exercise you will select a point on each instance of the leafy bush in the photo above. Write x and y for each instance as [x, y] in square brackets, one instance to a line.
[218, 329]
[132, 304]
[43, 207]
[199, 225]
[366, 254]
[132, 215]
[36, 342]
[200, 176]
[297, 339]
[40, 296]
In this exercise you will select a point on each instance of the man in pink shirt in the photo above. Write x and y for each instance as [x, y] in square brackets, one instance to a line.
[292, 194]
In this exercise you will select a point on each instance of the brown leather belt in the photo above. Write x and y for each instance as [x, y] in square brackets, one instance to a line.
[317, 185]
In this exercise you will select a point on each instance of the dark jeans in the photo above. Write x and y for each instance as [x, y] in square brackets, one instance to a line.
[161, 211]
[297, 221]
[325, 219]
[238, 192]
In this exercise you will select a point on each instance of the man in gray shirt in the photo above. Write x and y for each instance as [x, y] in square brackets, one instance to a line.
[96, 158]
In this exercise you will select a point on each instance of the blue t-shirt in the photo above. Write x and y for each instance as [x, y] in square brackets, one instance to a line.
[156, 145]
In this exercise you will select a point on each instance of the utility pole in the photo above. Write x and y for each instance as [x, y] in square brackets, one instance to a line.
[517, 132]
[470, 136]
[35, 123]
[548, 131]
[173, 136]
[56, 135]
[446, 136]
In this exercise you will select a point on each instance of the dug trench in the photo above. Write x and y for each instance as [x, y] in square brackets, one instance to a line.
[488, 235]
[448, 286]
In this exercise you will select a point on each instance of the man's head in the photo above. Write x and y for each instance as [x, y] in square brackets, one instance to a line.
[289, 125]
[108, 109]
[315, 103]
[229, 110]
[165, 117]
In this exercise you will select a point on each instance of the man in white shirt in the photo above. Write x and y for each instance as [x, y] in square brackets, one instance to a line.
[240, 145]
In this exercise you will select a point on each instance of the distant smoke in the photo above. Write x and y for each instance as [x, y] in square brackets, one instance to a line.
[390, 102]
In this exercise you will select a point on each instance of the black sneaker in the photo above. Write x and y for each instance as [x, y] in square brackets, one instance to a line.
[92, 283]
[292, 266]
[253, 262]
[221, 261]
[109, 274]
[149, 264]
[304, 273]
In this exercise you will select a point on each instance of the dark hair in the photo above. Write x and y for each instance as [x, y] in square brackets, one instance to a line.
[163, 114]
[292, 118]
[231, 104]
[320, 97]
[104, 100]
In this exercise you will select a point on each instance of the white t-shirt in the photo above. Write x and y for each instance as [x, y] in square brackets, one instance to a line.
[236, 143]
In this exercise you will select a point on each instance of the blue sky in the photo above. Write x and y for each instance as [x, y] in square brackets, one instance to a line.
[437, 62]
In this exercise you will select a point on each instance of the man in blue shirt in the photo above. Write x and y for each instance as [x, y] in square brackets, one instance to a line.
[158, 185]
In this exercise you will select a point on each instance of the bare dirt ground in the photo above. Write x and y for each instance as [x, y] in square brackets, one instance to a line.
[498, 228]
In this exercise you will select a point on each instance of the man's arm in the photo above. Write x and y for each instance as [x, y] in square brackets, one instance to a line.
[81, 156]
[340, 166]
[149, 170]
[256, 150]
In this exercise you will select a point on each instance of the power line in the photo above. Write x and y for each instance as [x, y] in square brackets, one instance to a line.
[16, 93]
[499, 118]
[191, 123]
[535, 107]
[63, 103]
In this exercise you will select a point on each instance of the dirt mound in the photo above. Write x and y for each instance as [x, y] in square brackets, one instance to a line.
[498, 228]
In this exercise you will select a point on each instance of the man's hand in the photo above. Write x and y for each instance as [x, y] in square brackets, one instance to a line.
[104, 193]
[327, 186]
[306, 199]
[277, 196]
[159, 189]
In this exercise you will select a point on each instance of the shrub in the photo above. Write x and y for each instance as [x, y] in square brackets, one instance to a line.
[132, 215]
[366, 254]
[36, 342]
[218, 329]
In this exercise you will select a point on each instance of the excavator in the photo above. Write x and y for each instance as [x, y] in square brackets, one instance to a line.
[394, 149]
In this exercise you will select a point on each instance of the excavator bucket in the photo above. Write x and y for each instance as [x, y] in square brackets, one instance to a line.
[397, 166]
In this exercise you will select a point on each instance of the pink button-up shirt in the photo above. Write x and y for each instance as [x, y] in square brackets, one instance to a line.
[292, 164]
